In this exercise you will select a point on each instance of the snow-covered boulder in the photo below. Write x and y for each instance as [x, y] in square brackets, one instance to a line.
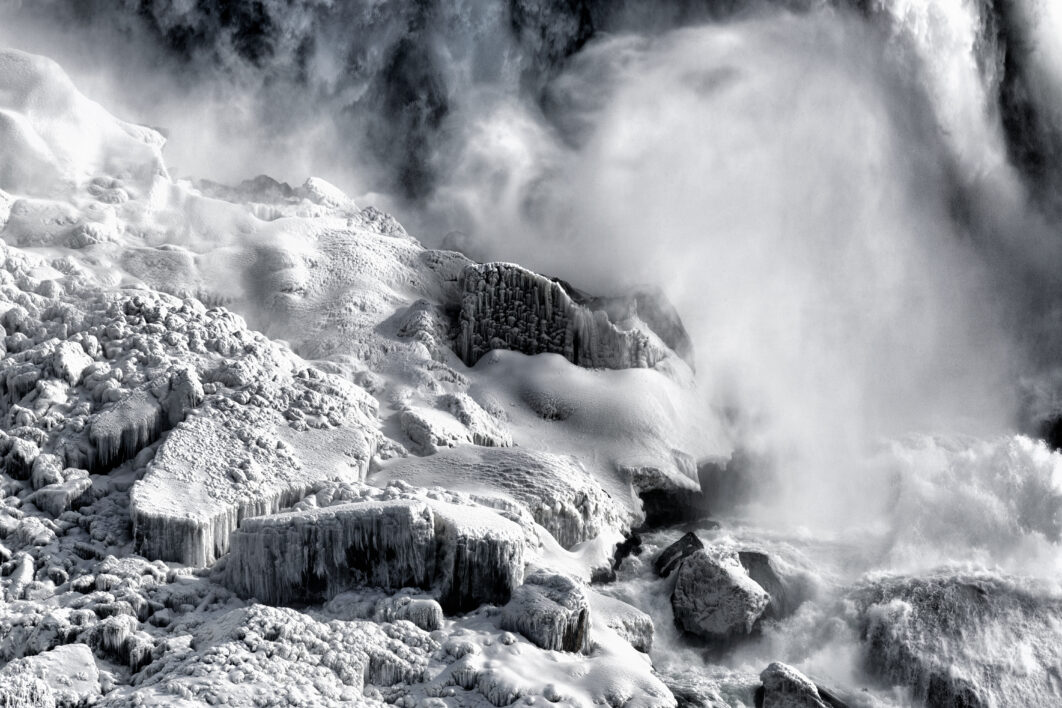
[670, 558]
[626, 620]
[953, 639]
[715, 598]
[51, 136]
[551, 610]
[785, 687]
[64, 676]
[505, 306]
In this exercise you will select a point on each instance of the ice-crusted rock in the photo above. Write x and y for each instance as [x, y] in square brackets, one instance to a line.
[57, 498]
[51, 136]
[505, 306]
[421, 611]
[626, 620]
[952, 639]
[70, 361]
[670, 558]
[457, 420]
[68, 673]
[249, 654]
[551, 610]
[559, 492]
[715, 598]
[471, 555]
[785, 687]
[310, 555]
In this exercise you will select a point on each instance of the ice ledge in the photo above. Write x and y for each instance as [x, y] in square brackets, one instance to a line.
[504, 306]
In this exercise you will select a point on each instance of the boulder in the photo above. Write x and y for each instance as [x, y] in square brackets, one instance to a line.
[714, 598]
[785, 687]
[551, 610]
[760, 568]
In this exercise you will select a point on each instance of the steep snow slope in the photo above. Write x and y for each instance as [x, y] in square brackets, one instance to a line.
[158, 411]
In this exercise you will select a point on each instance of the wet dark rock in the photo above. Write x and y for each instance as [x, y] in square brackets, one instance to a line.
[670, 558]
[758, 566]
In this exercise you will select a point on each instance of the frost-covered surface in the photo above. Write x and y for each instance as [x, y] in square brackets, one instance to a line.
[504, 306]
[245, 462]
[196, 383]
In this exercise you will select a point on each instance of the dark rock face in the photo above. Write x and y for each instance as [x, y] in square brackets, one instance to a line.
[758, 566]
[504, 306]
[670, 558]
[715, 599]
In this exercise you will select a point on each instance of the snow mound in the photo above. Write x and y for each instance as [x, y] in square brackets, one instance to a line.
[557, 490]
[52, 137]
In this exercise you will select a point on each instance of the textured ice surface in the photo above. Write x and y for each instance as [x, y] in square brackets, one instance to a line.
[504, 306]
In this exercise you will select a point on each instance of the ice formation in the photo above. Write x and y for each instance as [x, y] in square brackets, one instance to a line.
[471, 554]
[260, 446]
[504, 306]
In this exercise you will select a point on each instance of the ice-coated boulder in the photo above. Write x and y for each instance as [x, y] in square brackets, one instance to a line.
[308, 555]
[551, 610]
[470, 555]
[238, 456]
[504, 306]
[626, 620]
[715, 598]
[952, 639]
[785, 687]
[284, 655]
[670, 558]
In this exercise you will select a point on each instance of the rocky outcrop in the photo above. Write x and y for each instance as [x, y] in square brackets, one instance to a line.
[714, 598]
[504, 306]
[670, 558]
[551, 610]
[469, 555]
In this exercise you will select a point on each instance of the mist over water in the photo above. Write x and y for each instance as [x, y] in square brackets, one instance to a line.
[853, 207]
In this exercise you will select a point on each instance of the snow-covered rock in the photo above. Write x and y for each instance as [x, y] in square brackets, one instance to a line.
[551, 610]
[626, 620]
[470, 554]
[953, 639]
[314, 555]
[505, 306]
[64, 676]
[715, 598]
[557, 490]
[785, 687]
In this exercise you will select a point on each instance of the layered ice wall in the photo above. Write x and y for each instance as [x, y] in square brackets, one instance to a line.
[504, 306]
